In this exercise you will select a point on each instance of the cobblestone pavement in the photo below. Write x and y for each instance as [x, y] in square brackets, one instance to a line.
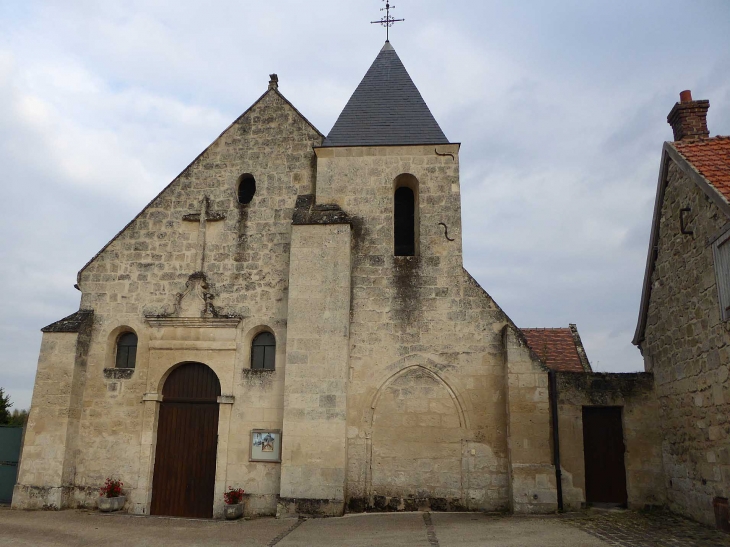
[646, 529]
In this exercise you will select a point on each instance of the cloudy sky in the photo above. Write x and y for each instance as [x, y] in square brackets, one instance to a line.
[561, 108]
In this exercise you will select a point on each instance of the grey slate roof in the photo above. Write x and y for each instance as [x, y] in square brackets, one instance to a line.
[386, 109]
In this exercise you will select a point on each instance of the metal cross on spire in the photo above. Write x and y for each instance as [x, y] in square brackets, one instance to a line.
[387, 21]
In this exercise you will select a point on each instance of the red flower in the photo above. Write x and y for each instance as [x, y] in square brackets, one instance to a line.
[112, 488]
[233, 496]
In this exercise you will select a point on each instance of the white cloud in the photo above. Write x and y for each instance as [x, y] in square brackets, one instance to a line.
[560, 108]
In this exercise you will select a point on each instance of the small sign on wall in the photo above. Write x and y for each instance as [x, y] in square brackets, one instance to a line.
[265, 445]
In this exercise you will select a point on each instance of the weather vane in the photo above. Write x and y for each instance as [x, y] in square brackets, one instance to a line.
[387, 21]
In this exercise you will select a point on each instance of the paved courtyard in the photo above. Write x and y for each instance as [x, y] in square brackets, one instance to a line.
[592, 529]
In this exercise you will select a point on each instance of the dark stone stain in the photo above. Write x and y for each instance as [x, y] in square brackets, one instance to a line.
[406, 284]
[310, 507]
[393, 504]
[118, 373]
[357, 505]
[603, 388]
[259, 379]
[241, 225]
[306, 212]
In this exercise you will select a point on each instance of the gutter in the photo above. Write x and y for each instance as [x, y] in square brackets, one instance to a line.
[553, 394]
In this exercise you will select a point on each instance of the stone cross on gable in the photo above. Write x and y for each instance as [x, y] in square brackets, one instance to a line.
[203, 217]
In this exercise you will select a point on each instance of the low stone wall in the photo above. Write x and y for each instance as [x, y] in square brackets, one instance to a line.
[642, 433]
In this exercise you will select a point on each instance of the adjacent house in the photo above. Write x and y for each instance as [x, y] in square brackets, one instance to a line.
[683, 330]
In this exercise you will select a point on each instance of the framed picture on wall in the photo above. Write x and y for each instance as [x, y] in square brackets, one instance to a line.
[265, 445]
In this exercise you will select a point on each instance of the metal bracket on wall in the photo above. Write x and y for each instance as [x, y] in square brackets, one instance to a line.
[453, 158]
[446, 231]
[682, 226]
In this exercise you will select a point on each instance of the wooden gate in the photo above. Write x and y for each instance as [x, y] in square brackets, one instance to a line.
[187, 439]
[10, 437]
[603, 449]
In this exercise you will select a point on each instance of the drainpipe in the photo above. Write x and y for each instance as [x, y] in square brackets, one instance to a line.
[553, 392]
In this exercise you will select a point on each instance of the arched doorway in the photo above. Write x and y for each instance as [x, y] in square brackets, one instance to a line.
[187, 439]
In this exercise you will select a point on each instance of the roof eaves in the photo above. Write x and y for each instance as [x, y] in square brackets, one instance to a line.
[458, 144]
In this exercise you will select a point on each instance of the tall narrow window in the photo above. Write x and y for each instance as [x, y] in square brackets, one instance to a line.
[722, 274]
[404, 226]
[246, 188]
[127, 350]
[263, 350]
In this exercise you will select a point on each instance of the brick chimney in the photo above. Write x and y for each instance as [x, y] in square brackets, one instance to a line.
[688, 118]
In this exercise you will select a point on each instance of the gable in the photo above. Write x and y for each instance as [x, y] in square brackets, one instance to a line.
[268, 130]
[696, 160]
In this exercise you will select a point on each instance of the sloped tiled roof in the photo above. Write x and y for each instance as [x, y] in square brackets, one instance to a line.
[711, 157]
[386, 109]
[560, 349]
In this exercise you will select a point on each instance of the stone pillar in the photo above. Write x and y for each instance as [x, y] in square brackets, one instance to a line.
[225, 407]
[140, 499]
[532, 473]
[46, 474]
[314, 455]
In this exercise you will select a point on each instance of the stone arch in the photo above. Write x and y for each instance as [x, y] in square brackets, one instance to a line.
[416, 432]
[165, 375]
[458, 403]
[110, 348]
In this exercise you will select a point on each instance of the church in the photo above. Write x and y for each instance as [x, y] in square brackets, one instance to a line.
[291, 316]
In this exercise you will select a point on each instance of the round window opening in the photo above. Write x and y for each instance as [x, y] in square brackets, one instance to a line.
[246, 189]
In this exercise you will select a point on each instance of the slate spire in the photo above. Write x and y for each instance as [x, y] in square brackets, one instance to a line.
[386, 109]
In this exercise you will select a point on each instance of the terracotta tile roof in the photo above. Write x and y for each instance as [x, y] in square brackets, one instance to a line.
[711, 157]
[558, 348]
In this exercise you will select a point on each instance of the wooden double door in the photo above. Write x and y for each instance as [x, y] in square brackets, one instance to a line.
[187, 442]
[603, 449]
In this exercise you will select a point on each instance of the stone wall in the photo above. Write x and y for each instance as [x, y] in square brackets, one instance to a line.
[315, 398]
[380, 359]
[533, 485]
[41, 473]
[688, 347]
[418, 324]
[144, 272]
[642, 434]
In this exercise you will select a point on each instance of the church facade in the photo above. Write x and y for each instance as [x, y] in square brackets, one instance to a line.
[291, 316]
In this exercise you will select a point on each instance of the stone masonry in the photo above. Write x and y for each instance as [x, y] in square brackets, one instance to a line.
[687, 347]
[398, 384]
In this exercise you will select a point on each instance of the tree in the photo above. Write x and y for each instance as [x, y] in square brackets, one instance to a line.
[5, 405]
[19, 417]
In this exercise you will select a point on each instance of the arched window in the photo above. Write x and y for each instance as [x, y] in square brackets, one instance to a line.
[404, 222]
[263, 349]
[246, 188]
[126, 350]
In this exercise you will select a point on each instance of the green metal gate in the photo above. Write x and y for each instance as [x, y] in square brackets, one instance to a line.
[10, 439]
